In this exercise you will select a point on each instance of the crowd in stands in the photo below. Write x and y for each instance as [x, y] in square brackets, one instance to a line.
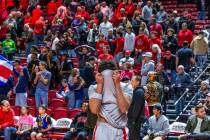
[64, 43]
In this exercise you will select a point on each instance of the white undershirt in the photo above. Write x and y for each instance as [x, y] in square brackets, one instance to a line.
[198, 126]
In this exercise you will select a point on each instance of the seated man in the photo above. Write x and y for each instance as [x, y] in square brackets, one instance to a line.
[77, 128]
[198, 126]
[158, 125]
[6, 120]
[126, 59]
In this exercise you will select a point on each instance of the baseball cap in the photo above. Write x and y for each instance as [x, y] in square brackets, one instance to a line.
[147, 54]
[127, 52]
[158, 107]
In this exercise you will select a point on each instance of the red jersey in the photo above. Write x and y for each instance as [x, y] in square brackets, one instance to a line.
[142, 42]
[126, 73]
[157, 41]
[51, 8]
[36, 14]
[105, 57]
[24, 4]
[157, 28]
[119, 44]
[100, 44]
[6, 118]
[184, 35]
[39, 27]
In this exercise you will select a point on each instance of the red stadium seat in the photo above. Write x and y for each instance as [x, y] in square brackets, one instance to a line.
[74, 112]
[74, 60]
[32, 111]
[60, 113]
[50, 111]
[12, 101]
[30, 101]
[55, 103]
[52, 94]
[23, 60]
[16, 110]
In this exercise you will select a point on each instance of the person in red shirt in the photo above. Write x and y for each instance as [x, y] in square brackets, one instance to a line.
[6, 120]
[155, 40]
[156, 27]
[184, 35]
[39, 30]
[156, 53]
[23, 5]
[142, 42]
[51, 8]
[127, 72]
[119, 43]
[36, 13]
[130, 8]
[105, 55]
[101, 43]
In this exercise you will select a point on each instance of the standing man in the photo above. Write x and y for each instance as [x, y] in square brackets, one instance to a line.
[110, 100]
[42, 82]
[147, 66]
[136, 110]
[105, 26]
[158, 125]
[6, 120]
[199, 47]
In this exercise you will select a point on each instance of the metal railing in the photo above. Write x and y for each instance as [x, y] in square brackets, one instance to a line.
[186, 91]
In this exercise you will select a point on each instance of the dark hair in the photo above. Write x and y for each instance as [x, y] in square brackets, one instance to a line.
[137, 78]
[199, 106]
[106, 64]
[185, 44]
[43, 63]
[120, 33]
[91, 58]
[43, 107]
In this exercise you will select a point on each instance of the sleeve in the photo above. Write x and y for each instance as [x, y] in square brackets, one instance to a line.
[165, 128]
[127, 90]
[9, 120]
[49, 75]
[188, 126]
[149, 131]
[49, 120]
[92, 91]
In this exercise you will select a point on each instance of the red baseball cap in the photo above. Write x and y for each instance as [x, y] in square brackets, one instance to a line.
[127, 52]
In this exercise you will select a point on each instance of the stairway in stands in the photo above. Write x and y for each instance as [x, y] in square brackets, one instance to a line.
[170, 6]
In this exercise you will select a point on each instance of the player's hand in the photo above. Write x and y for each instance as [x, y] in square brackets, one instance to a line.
[99, 78]
[116, 77]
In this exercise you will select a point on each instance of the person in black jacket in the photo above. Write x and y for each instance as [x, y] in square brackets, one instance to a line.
[77, 128]
[170, 42]
[136, 110]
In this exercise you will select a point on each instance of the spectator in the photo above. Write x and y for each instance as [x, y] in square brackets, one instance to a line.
[197, 125]
[93, 37]
[65, 92]
[78, 88]
[119, 44]
[136, 110]
[158, 125]
[105, 26]
[142, 44]
[161, 16]
[155, 40]
[185, 57]
[172, 23]
[43, 124]
[156, 27]
[170, 65]
[6, 120]
[156, 53]
[127, 71]
[136, 22]
[182, 83]
[110, 39]
[101, 43]
[203, 91]
[201, 5]
[126, 59]
[184, 35]
[8, 47]
[65, 66]
[199, 47]
[28, 37]
[147, 66]
[42, 82]
[88, 74]
[25, 124]
[147, 12]
[105, 55]
[129, 39]
[21, 86]
[39, 30]
[207, 105]
[77, 128]
[6, 89]
[170, 42]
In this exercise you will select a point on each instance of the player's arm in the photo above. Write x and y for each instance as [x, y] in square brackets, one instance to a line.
[95, 95]
[123, 101]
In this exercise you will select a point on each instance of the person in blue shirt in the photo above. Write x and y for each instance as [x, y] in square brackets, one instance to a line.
[43, 124]
[21, 87]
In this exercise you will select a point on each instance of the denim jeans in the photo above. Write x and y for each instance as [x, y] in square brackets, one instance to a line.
[180, 105]
[71, 98]
[28, 47]
[201, 15]
[78, 103]
[201, 60]
[41, 97]
[7, 132]
[39, 39]
[21, 99]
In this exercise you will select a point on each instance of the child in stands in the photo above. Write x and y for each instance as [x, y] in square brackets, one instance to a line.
[25, 124]
[43, 124]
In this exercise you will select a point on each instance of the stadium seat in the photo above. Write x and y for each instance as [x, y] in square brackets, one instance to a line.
[74, 112]
[55, 103]
[32, 111]
[30, 101]
[60, 113]
[16, 110]
[52, 94]
[12, 101]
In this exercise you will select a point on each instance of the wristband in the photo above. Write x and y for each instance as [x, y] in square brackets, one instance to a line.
[97, 96]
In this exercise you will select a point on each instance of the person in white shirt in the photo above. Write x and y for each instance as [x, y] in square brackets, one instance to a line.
[105, 26]
[55, 41]
[129, 40]
[198, 125]
[126, 59]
